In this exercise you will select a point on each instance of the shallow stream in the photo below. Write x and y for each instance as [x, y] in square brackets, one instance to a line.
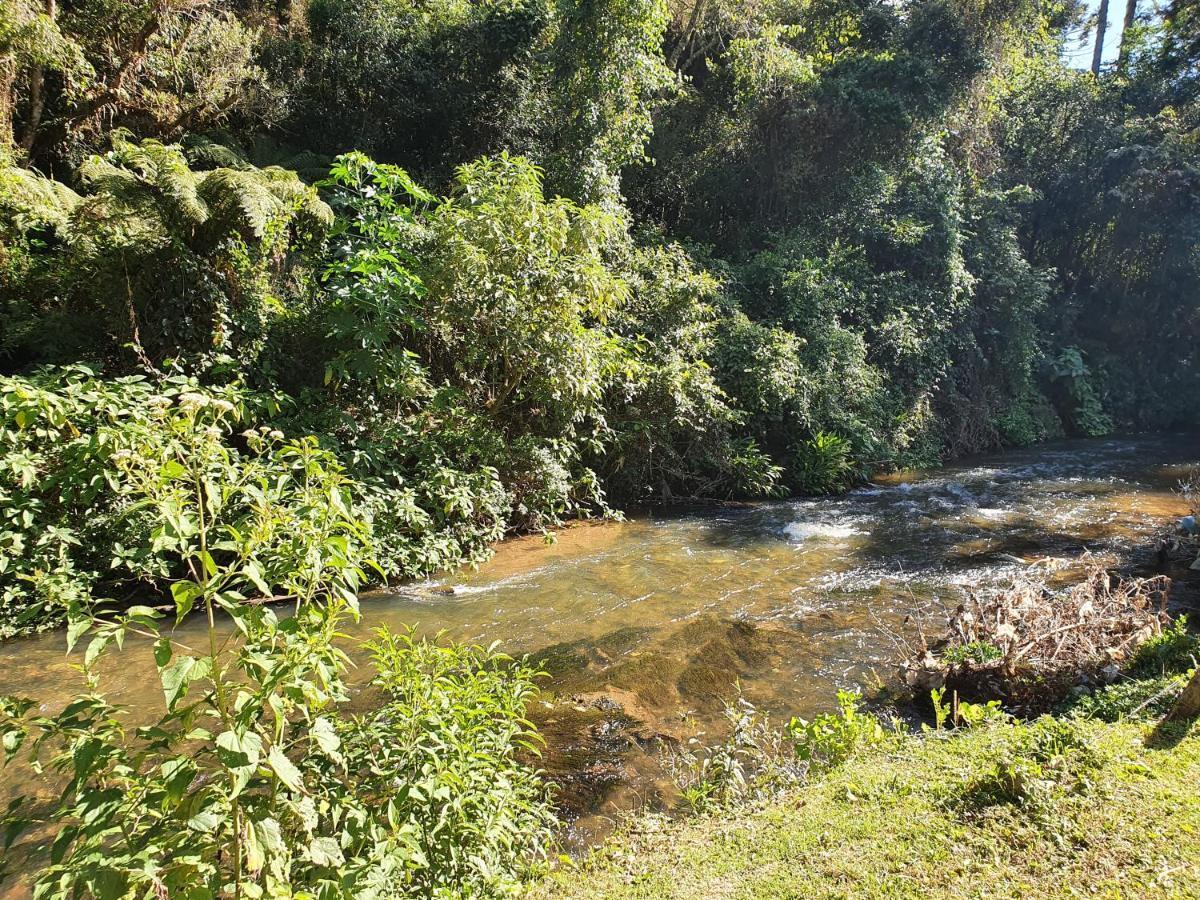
[646, 625]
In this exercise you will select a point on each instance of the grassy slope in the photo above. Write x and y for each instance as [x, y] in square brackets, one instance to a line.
[900, 823]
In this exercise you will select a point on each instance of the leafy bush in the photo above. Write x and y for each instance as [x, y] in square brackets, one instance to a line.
[830, 738]
[977, 652]
[253, 782]
[1173, 650]
[152, 260]
[443, 750]
[75, 451]
[1084, 409]
[209, 797]
[674, 431]
[755, 762]
[468, 342]
[1033, 764]
[1141, 698]
[822, 464]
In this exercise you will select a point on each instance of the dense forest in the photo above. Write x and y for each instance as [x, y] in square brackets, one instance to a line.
[297, 295]
[515, 262]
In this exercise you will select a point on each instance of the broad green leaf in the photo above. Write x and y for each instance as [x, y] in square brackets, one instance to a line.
[185, 594]
[326, 737]
[206, 821]
[162, 652]
[270, 835]
[285, 770]
[254, 572]
[324, 851]
[96, 647]
[172, 469]
[239, 751]
[76, 629]
[175, 678]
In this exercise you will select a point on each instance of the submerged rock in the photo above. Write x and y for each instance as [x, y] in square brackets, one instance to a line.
[618, 700]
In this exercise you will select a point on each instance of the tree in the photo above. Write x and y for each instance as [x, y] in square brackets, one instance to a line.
[1101, 28]
[1127, 30]
[152, 254]
[160, 67]
[607, 75]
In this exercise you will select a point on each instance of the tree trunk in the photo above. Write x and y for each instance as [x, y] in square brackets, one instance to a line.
[8, 83]
[1188, 704]
[37, 91]
[1130, 18]
[1101, 27]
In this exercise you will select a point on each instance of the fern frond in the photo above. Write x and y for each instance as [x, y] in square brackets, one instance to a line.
[164, 168]
[205, 152]
[293, 192]
[29, 200]
[240, 200]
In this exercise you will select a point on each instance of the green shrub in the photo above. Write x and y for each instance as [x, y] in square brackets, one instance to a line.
[468, 353]
[822, 464]
[1028, 420]
[976, 652]
[1084, 409]
[1033, 764]
[154, 259]
[830, 738]
[1143, 698]
[755, 762]
[253, 782]
[443, 750]
[1173, 651]
[674, 431]
[73, 451]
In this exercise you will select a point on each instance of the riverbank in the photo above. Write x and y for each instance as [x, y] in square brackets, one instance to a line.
[1098, 798]
[645, 625]
[933, 815]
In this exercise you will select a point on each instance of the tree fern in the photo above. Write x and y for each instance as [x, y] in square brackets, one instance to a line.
[164, 176]
[169, 260]
[241, 200]
[28, 200]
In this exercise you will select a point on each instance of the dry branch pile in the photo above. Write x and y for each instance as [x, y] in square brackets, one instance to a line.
[999, 642]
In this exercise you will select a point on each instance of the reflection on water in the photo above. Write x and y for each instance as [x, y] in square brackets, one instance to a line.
[645, 625]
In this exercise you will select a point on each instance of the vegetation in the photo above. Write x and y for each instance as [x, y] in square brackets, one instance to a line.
[757, 762]
[604, 255]
[253, 779]
[1031, 645]
[1055, 806]
[297, 295]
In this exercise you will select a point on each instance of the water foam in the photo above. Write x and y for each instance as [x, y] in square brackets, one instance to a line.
[803, 531]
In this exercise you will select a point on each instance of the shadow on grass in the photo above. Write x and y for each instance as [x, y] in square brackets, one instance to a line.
[1169, 733]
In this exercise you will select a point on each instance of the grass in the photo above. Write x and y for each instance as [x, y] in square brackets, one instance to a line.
[1054, 809]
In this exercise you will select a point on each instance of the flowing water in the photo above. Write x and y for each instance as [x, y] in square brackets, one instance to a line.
[646, 625]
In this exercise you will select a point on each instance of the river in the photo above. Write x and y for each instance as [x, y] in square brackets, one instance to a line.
[646, 625]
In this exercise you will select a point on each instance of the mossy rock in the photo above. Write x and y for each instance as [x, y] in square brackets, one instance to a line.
[574, 656]
[707, 684]
[650, 676]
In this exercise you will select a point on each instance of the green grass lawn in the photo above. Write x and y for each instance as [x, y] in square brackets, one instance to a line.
[1000, 811]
